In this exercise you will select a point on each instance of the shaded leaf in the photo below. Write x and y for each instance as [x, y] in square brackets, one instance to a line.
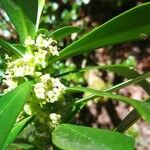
[72, 137]
[10, 106]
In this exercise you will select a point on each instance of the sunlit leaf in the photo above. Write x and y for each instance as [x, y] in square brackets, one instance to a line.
[41, 4]
[76, 104]
[10, 106]
[10, 47]
[142, 107]
[20, 47]
[72, 137]
[119, 69]
[21, 146]
[17, 129]
[23, 15]
[129, 26]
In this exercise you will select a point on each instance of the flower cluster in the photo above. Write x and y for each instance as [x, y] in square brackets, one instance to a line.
[31, 64]
[49, 45]
[55, 119]
[49, 89]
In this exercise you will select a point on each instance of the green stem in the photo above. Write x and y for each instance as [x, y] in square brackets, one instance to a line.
[133, 115]
[118, 86]
[129, 82]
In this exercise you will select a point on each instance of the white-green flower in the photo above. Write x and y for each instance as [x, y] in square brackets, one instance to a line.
[29, 41]
[49, 89]
[46, 88]
[55, 119]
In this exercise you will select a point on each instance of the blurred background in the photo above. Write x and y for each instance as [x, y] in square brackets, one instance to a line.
[88, 14]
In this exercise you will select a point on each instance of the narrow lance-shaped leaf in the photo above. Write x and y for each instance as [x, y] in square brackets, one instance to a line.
[142, 107]
[10, 106]
[16, 130]
[128, 73]
[10, 47]
[63, 32]
[41, 4]
[72, 137]
[20, 47]
[120, 69]
[23, 15]
[22, 146]
[111, 89]
[128, 26]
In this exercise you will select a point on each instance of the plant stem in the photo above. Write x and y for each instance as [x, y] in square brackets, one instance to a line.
[129, 82]
[133, 116]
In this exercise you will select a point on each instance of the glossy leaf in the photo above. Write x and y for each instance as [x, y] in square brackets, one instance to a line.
[142, 107]
[10, 47]
[42, 31]
[128, 26]
[23, 15]
[72, 137]
[20, 47]
[63, 32]
[10, 106]
[16, 130]
[41, 4]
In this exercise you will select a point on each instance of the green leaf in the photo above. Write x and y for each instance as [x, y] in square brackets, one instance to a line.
[10, 47]
[131, 25]
[142, 107]
[63, 32]
[42, 31]
[111, 89]
[139, 79]
[72, 137]
[127, 73]
[17, 129]
[120, 69]
[41, 4]
[21, 146]
[20, 47]
[23, 15]
[10, 106]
